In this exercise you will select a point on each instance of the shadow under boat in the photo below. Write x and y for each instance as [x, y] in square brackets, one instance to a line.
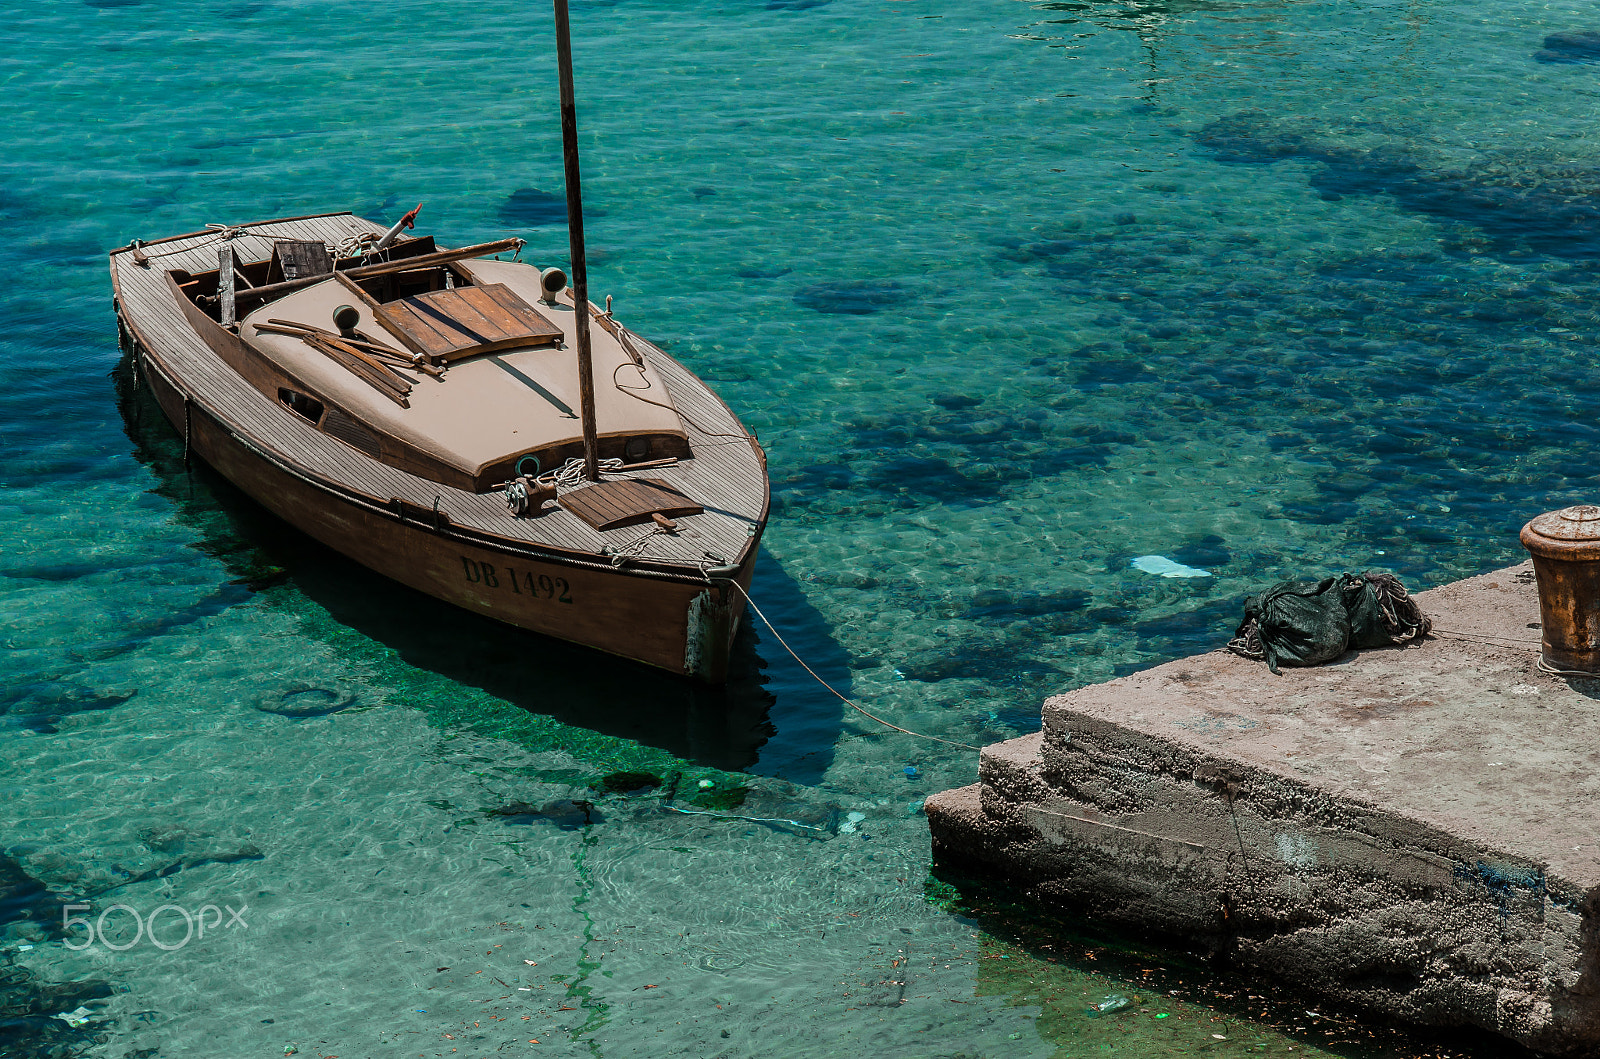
[722, 727]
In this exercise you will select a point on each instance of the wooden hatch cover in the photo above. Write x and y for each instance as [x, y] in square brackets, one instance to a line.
[626, 501]
[465, 320]
[297, 259]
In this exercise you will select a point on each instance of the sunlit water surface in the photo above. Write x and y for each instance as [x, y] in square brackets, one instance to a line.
[1013, 293]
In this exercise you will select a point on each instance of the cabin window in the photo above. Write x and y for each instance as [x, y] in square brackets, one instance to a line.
[309, 407]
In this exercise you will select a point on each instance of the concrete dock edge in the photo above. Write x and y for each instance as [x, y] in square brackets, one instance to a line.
[1413, 831]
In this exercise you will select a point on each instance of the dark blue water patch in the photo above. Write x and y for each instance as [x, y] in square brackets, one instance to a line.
[145, 629]
[53, 571]
[762, 273]
[112, 3]
[806, 717]
[28, 1003]
[1521, 203]
[1573, 46]
[1016, 718]
[1016, 604]
[999, 661]
[1208, 553]
[1190, 632]
[629, 782]
[968, 457]
[795, 5]
[26, 900]
[39, 707]
[376, 209]
[532, 207]
[858, 297]
[1320, 512]
[703, 191]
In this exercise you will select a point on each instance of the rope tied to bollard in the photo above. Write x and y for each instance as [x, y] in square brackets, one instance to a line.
[841, 696]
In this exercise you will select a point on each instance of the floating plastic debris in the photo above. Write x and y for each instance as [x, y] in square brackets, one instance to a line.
[1112, 1002]
[1161, 566]
[77, 1018]
[706, 785]
[911, 772]
[850, 822]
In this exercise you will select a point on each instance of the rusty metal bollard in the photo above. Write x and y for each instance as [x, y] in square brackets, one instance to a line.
[1565, 546]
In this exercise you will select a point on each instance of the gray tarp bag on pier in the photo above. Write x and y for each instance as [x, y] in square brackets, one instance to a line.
[1309, 623]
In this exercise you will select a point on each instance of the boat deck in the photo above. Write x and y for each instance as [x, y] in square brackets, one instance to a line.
[727, 474]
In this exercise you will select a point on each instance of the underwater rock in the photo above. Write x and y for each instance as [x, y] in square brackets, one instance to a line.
[1574, 46]
[955, 402]
[628, 782]
[999, 661]
[24, 899]
[1002, 604]
[566, 813]
[857, 297]
[303, 701]
[795, 5]
[762, 273]
[40, 707]
[532, 207]
[53, 571]
[1522, 204]
[112, 3]
[128, 877]
[1210, 551]
[702, 191]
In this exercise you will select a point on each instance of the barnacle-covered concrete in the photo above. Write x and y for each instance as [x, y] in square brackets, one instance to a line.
[1416, 831]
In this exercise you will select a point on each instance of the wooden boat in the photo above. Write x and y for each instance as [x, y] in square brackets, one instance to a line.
[403, 405]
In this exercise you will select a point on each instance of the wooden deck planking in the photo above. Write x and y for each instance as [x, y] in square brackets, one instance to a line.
[726, 473]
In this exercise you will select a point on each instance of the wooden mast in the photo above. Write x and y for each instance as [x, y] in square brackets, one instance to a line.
[580, 276]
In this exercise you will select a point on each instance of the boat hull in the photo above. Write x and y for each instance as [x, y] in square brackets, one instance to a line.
[677, 622]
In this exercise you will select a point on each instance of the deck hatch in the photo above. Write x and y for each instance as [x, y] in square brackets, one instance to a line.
[626, 501]
[464, 320]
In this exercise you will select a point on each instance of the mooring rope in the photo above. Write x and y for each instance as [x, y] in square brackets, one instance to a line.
[842, 697]
[1486, 639]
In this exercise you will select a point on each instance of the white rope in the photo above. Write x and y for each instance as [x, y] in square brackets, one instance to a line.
[634, 548]
[570, 474]
[220, 233]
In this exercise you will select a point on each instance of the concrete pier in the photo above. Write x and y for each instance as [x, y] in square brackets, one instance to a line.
[1416, 831]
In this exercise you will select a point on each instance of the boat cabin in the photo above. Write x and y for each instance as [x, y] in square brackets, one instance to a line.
[461, 371]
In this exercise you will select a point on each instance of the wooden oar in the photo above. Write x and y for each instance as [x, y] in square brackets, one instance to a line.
[418, 361]
[379, 379]
[388, 356]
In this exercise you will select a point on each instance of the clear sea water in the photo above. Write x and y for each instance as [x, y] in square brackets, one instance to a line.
[1012, 292]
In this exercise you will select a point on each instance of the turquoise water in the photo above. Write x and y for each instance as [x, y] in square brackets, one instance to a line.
[1012, 292]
